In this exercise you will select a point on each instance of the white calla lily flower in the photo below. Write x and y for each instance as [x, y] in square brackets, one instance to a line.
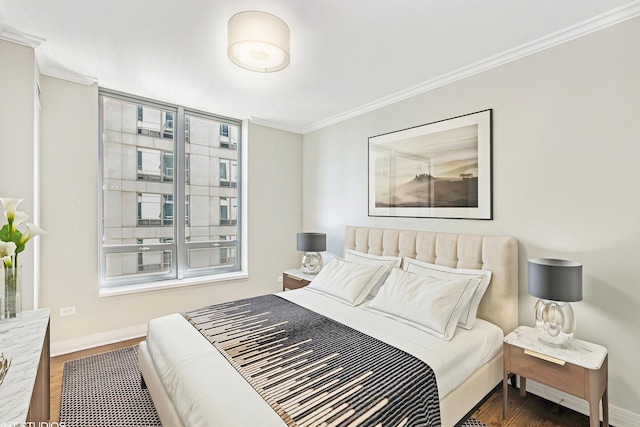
[32, 231]
[19, 218]
[10, 206]
[7, 249]
[12, 242]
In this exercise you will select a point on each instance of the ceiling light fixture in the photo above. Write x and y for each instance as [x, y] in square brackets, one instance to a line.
[258, 41]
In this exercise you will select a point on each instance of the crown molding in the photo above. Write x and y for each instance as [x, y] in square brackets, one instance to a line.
[67, 75]
[21, 38]
[275, 125]
[15, 36]
[615, 16]
[35, 42]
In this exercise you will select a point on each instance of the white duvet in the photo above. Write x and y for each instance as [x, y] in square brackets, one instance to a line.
[207, 391]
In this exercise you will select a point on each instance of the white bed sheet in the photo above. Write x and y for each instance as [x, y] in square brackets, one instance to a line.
[201, 381]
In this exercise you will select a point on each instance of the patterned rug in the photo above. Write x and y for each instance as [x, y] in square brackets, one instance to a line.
[104, 391]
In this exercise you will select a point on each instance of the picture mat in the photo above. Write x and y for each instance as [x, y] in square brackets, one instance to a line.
[454, 153]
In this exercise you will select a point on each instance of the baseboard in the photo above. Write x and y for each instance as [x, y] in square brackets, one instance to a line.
[617, 416]
[97, 340]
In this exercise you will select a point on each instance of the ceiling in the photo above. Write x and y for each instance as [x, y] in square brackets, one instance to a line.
[347, 56]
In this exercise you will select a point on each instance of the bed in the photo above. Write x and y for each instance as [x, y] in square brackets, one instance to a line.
[192, 384]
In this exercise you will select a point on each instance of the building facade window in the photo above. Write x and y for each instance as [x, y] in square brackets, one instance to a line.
[166, 212]
[228, 173]
[224, 130]
[154, 165]
[155, 123]
[228, 138]
[153, 261]
[228, 211]
[227, 255]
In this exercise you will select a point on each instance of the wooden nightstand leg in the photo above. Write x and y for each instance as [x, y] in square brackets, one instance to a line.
[605, 407]
[597, 385]
[505, 393]
[594, 412]
[523, 386]
[506, 368]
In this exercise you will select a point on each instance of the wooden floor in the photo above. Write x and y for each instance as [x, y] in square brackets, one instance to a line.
[530, 411]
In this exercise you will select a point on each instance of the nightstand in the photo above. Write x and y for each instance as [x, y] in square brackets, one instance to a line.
[295, 279]
[580, 370]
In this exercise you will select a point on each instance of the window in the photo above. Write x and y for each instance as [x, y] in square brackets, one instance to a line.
[186, 168]
[167, 209]
[186, 130]
[228, 136]
[149, 208]
[155, 122]
[164, 213]
[227, 255]
[228, 173]
[154, 165]
[167, 167]
[228, 211]
[153, 261]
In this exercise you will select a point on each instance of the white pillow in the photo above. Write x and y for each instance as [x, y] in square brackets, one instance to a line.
[430, 304]
[468, 318]
[347, 281]
[368, 259]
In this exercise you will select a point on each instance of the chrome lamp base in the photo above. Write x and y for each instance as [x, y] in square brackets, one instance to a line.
[311, 262]
[555, 322]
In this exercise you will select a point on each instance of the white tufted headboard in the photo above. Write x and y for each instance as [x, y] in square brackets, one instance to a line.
[495, 253]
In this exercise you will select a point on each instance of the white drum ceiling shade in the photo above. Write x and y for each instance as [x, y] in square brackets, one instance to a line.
[258, 41]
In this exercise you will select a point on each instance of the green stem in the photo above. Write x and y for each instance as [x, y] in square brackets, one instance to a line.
[11, 303]
[11, 230]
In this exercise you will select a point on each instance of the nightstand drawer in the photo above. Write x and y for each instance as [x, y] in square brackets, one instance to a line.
[568, 378]
[292, 282]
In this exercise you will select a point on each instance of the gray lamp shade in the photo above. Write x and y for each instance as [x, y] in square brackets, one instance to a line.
[555, 279]
[312, 242]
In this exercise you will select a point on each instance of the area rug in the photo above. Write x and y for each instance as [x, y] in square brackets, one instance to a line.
[104, 391]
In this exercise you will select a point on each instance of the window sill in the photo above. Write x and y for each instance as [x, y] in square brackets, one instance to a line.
[171, 284]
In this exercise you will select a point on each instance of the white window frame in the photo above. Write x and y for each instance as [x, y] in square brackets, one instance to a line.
[179, 274]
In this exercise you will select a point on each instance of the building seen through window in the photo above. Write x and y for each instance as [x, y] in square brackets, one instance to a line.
[169, 200]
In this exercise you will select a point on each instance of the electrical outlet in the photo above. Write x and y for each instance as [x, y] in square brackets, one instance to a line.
[279, 278]
[68, 311]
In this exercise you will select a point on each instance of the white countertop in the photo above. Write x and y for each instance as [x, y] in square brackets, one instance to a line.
[21, 340]
[580, 353]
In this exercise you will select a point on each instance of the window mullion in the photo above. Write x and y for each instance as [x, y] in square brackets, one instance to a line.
[179, 189]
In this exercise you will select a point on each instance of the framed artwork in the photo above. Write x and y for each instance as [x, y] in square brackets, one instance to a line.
[436, 170]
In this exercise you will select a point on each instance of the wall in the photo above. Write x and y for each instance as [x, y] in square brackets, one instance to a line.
[18, 142]
[565, 155]
[69, 212]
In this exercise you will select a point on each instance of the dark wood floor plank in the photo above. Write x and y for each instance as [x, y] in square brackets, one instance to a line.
[529, 411]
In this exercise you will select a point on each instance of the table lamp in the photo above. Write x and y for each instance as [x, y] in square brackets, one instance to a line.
[312, 244]
[556, 282]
